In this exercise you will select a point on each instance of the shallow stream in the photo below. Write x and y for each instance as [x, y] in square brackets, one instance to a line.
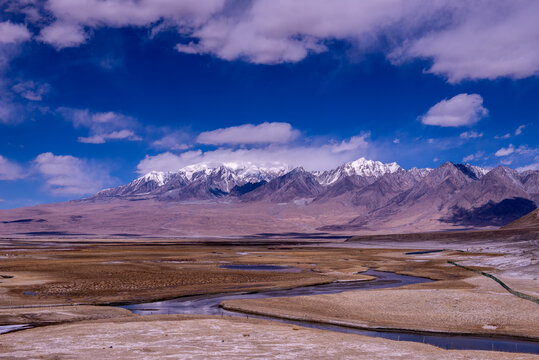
[209, 305]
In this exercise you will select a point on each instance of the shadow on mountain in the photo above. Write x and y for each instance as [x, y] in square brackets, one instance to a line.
[492, 214]
[239, 190]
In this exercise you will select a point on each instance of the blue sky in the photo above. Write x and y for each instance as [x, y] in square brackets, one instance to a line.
[94, 93]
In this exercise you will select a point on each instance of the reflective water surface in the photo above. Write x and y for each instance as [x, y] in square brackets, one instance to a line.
[209, 305]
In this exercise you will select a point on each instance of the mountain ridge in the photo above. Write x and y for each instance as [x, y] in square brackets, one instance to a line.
[224, 176]
[231, 199]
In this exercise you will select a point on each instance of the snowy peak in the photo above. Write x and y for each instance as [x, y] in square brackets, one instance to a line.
[221, 177]
[475, 172]
[158, 177]
[359, 167]
[205, 180]
[364, 167]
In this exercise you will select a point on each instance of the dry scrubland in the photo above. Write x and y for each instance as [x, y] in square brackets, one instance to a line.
[84, 274]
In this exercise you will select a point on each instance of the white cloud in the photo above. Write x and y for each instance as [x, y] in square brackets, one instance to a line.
[481, 40]
[11, 33]
[505, 151]
[68, 175]
[31, 90]
[355, 142]
[103, 126]
[72, 15]
[470, 135]
[311, 157]
[471, 157]
[467, 40]
[265, 133]
[462, 39]
[115, 135]
[11, 38]
[175, 140]
[116, 13]
[468, 158]
[270, 32]
[10, 170]
[460, 110]
[62, 35]
[168, 161]
[533, 166]
[519, 130]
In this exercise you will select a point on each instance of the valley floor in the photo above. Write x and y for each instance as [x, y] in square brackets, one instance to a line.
[56, 285]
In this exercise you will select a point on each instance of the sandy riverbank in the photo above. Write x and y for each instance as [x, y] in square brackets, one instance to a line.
[158, 337]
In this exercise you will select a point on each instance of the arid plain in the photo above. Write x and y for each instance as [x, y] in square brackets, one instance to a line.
[69, 290]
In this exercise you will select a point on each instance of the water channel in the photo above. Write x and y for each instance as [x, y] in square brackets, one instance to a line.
[209, 305]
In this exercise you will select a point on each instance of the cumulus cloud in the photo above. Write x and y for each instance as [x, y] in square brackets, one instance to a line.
[311, 157]
[31, 90]
[468, 40]
[274, 132]
[102, 126]
[10, 170]
[71, 16]
[470, 135]
[270, 32]
[69, 175]
[484, 40]
[505, 151]
[461, 39]
[62, 35]
[355, 142]
[460, 110]
[175, 140]
[11, 33]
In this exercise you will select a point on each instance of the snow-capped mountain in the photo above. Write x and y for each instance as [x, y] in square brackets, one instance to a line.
[360, 167]
[219, 178]
[249, 181]
[142, 185]
[359, 195]
[475, 172]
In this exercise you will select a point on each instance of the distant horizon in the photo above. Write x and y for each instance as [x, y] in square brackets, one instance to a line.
[290, 169]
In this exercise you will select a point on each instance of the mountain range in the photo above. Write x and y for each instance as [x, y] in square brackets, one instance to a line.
[377, 192]
[362, 196]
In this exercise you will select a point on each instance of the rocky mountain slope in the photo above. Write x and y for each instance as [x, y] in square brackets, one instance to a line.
[379, 195]
[204, 181]
[231, 199]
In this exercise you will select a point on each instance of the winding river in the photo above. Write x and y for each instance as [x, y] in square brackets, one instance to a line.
[209, 305]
